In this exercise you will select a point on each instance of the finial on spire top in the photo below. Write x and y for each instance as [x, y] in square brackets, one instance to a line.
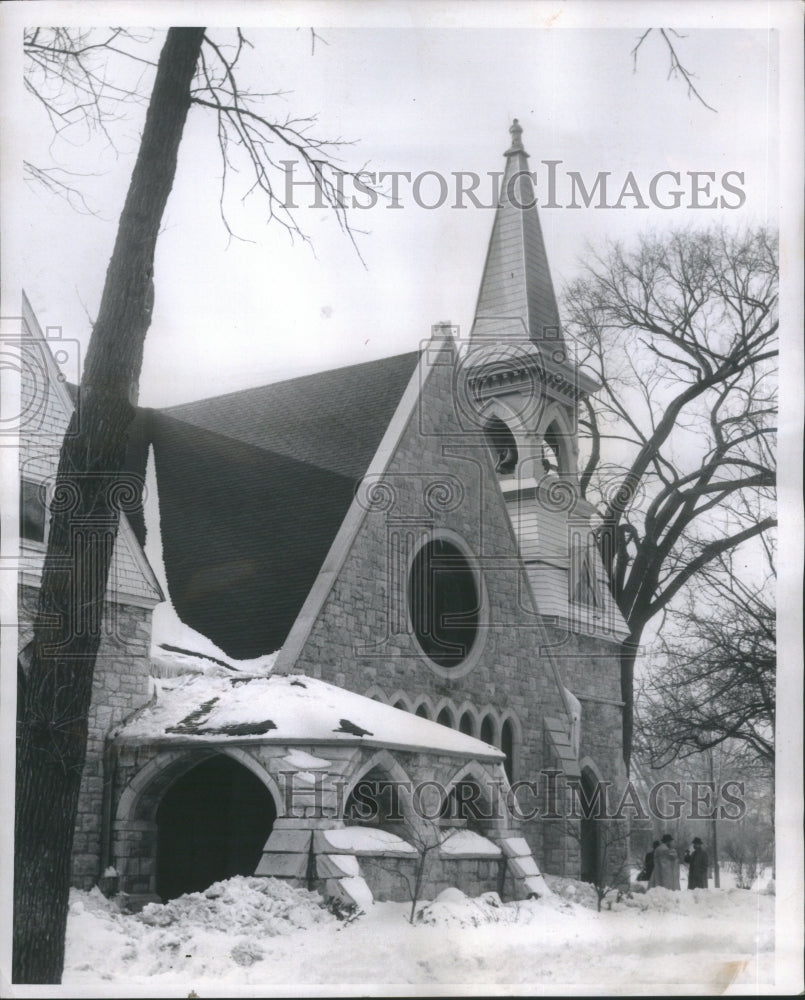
[516, 131]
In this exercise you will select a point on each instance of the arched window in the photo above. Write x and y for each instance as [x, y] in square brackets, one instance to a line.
[502, 445]
[467, 724]
[422, 711]
[553, 449]
[445, 717]
[488, 730]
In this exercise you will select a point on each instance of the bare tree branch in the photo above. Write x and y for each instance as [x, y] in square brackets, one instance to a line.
[676, 69]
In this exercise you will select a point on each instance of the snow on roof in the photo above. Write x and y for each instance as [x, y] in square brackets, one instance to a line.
[366, 840]
[289, 709]
[172, 661]
[177, 648]
[468, 843]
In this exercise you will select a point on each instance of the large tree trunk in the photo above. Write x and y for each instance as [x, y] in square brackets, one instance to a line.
[87, 501]
[628, 655]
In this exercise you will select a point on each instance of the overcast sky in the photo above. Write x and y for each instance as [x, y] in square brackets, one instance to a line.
[415, 98]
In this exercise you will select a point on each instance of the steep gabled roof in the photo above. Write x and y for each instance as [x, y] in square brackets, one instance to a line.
[253, 487]
[332, 420]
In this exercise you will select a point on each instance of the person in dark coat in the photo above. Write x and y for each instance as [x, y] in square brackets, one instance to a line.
[698, 861]
[666, 865]
[648, 861]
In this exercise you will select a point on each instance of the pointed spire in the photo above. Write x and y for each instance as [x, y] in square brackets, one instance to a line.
[516, 300]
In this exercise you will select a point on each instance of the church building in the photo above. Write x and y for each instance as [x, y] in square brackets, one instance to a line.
[408, 536]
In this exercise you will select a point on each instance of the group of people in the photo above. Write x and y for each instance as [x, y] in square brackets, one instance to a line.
[662, 864]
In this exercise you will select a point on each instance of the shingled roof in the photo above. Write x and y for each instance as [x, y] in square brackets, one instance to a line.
[332, 420]
[516, 301]
[253, 487]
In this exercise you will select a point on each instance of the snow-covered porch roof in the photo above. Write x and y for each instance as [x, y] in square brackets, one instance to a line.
[289, 710]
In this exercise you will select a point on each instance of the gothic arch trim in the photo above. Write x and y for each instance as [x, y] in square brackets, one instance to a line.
[424, 701]
[588, 764]
[514, 423]
[400, 696]
[486, 781]
[555, 414]
[517, 740]
[385, 762]
[446, 704]
[377, 694]
[489, 712]
[467, 708]
[142, 795]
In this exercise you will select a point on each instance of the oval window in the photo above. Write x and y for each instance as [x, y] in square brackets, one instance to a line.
[443, 601]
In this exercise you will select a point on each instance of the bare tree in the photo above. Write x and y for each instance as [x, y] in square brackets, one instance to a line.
[68, 74]
[426, 837]
[681, 333]
[717, 683]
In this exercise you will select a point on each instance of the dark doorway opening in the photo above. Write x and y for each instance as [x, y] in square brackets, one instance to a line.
[212, 824]
[590, 854]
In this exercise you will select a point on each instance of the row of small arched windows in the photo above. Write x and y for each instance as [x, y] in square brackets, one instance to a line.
[489, 728]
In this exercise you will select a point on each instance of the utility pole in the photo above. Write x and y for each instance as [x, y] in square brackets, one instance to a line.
[714, 822]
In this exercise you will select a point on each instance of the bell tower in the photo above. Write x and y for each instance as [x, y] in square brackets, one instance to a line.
[527, 388]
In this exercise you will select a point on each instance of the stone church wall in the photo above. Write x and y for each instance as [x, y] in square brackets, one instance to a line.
[591, 670]
[361, 637]
[120, 686]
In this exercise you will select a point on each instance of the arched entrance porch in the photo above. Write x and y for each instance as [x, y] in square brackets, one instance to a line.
[212, 823]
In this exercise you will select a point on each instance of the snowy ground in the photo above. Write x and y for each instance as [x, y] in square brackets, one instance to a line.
[252, 936]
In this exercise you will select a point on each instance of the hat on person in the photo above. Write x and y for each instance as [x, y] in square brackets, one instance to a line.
[667, 838]
[697, 840]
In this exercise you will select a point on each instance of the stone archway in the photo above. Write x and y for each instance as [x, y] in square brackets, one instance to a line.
[212, 823]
